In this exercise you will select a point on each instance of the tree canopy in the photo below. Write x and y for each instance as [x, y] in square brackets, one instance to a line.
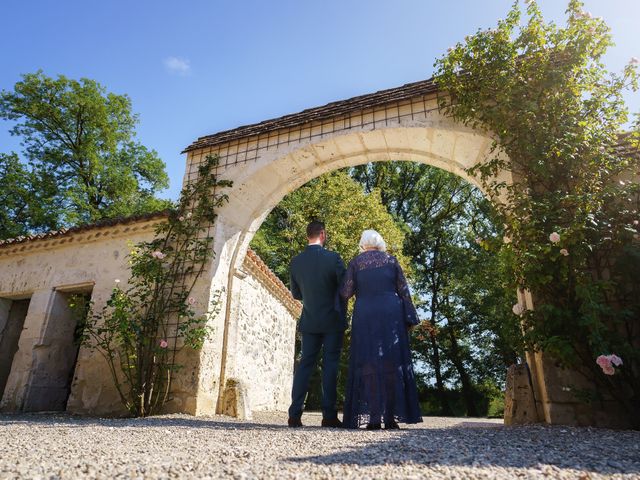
[342, 205]
[81, 160]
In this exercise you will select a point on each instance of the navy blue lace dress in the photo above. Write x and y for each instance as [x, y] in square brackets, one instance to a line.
[381, 385]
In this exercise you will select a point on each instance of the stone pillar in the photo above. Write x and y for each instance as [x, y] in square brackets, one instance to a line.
[12, 315]
[560, 400]
[519, 403]
[22, 366]
[54, 359]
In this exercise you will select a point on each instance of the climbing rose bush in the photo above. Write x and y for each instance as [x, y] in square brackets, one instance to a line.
[571, 213]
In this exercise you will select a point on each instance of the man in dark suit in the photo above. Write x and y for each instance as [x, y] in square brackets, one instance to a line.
[316, 275]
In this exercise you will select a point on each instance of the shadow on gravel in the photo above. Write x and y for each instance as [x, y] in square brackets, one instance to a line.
[481, 445]
[62, 419]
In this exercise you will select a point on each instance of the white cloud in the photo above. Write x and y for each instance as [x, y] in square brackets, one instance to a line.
[177, 65]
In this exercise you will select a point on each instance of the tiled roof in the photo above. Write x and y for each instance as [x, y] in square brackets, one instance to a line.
[258, 264]
[327, 111]
[109, 222]
[280, 288]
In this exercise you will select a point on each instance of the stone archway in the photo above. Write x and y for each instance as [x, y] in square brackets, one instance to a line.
[268, 160]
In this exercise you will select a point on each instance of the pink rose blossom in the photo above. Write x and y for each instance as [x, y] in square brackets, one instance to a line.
[564, 251]
[554, 237]
[518, 309]
[163, 344]
[191, 300]
[634, 61]
[603, 361]
[615, 360]
[636, 222]
[181, 219]
[158, 254]
[606, 362]
[609, 370]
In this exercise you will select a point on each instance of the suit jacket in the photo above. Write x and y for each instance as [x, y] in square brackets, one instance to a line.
[316, 276]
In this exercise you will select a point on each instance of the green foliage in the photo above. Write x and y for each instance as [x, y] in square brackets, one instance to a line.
[345, 208]
[469, 334]
[27, 199]
[82, 160]
[144, 325]
[556, 116]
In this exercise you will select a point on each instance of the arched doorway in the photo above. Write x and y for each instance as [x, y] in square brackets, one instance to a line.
[270, 159]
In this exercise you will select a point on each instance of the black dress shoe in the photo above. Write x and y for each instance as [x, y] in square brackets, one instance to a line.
[374, 426]
[392, 425]
[332, 423]
[294, 422]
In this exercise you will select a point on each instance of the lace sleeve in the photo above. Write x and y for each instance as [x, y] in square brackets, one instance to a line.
[402, 288]
[348, 288]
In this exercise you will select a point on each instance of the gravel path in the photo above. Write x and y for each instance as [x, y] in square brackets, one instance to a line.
[62, 446]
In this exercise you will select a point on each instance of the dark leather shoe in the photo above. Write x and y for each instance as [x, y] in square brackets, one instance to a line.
[393, 425]
[294, 422]
[333, 423]
[374, 426]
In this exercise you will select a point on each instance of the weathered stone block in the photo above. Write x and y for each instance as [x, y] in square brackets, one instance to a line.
[519, 403]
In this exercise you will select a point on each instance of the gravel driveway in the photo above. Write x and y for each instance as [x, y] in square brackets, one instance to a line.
[62, 446]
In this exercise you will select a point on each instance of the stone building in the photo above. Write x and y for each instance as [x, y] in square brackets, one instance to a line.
[253, 339]
[42, 369]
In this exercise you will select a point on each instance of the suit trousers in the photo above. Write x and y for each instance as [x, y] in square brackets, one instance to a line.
[331, 344]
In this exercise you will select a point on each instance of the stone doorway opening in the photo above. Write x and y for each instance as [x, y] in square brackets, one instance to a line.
[12, 315]
[55, 356]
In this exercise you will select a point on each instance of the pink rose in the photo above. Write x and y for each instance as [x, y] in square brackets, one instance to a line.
[603, 361]
[614, 359]
[191, 300]
[163, 343]
[634, 61]
[554, 237]
[158, 254]
[518, 309]
[608, 370]
[564, 251]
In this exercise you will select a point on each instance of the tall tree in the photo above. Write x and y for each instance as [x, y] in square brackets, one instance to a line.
[79, 140]
[462, 296]
[25, 198]
[345, 208]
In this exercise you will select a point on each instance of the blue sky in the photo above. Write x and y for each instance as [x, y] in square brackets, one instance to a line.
[197, 67]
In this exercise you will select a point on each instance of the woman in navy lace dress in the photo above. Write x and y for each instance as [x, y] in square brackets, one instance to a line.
[381, 386]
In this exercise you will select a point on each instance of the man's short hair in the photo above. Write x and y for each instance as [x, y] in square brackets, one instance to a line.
[314, 229]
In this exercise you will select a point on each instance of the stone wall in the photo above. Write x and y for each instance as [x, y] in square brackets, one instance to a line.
[44, 270]
[261, 349]
[39, 369]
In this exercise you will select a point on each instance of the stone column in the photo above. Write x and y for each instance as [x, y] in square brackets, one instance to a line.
[21, 369]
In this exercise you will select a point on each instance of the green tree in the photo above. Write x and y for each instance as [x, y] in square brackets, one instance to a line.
[26, 198]
[556, 114]
[347, 210]
[469, 335]
[79, 144]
